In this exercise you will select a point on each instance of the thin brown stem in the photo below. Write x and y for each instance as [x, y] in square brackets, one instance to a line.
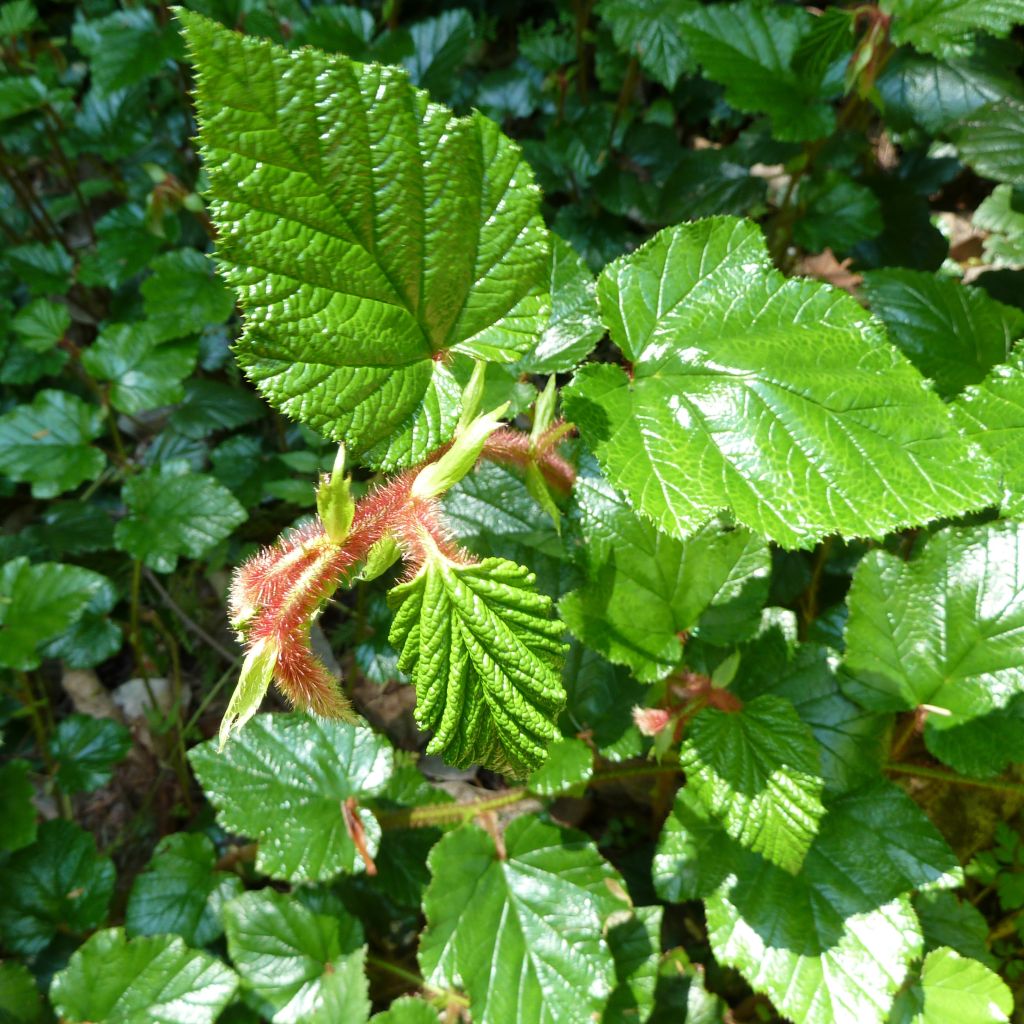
[941, 775]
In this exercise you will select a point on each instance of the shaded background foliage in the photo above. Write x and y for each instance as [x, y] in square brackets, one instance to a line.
[879, 148]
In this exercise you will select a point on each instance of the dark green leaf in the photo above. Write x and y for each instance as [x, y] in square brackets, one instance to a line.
[125, 47]
[17, 811]
[183, 294]
[85, 751]
[991, 140]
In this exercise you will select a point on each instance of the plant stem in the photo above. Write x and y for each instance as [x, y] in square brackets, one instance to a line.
[415, 980]
[69, 172]
[186, 621]
[942, 775]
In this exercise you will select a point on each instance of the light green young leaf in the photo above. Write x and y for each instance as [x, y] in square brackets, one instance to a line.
[368, 232]
[283, 779]
[947, 27]
[954, 988]
[992, 414]
[85, 750]
[38, 603]
[484, 652]
[521, 935]
[952, 333]
[780, 399]
[17, 811]
[749, 48]
[143, 373]
[940, 631]
[407, 1010]
[574, 327]
[180, 891]
[20, 1002]
[651, 31]
[758, 772]
[141, 981]
[991, 140]
[171, 516]
[58, 882]
[303, 967]
[47, 443]
[183, 294]
[646, 587]
[567, 770]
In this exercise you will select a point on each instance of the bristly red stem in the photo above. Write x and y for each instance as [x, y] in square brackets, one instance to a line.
[277, 593]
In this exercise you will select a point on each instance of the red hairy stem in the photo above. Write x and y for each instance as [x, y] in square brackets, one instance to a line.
[514, 448]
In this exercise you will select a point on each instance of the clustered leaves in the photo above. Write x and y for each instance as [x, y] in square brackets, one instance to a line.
[705, 554]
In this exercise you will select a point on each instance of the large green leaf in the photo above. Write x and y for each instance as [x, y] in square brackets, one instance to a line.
[954, 988]
[838, 212]
[303, 967]
[38, 603]
[644, 587]
[945, 27]
[47, 443]
[368, 233]
[174, 515]
[780, 399]
[57, 882]
[952, 333]
[651, 32]
[484, 652]
[19, 998]
[832, 944]
[749, 48]
[992, 414]
[181, 892]
[183, 294]
[636, 945]
[991, 140]
[156, 980]
[283, 780]
[757, 771]
[942, 630]
[521, 934]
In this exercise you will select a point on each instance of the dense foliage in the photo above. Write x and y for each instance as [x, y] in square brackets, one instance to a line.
[636, 647]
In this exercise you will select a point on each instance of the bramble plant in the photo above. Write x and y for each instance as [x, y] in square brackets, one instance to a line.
[680, 607]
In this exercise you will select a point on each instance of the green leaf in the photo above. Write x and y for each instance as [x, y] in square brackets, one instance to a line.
[991, 140]
[779, 399]
[406, 1010]
[181, 892]
[41, 324]
[37, 603]
[574, 327]
[17, 811]
[954, 988]
[941, 630]
[47, 443]
[123, 248]
[92, 637]
[834, 943]
[757, 771]
[20, 1002]
[484, 651]
[1002, 215]
[992, 414]
[171, 516]
[57, 882]
[749, 48]
[645, 587]
[16, 17]
[651, 31]
[210, 405]
[440, 47]
[125, 47]
[947, 27]
[636, 946]
[934, 93]
[521, 935]
[946, 921]
[952, 333]
[85, 750]
[141, 981]
[45, 267]
[303, 967]
[367, 232]
[282, 780]
[567, 770]
[838, 213]
[144, 374]
[183, 294]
